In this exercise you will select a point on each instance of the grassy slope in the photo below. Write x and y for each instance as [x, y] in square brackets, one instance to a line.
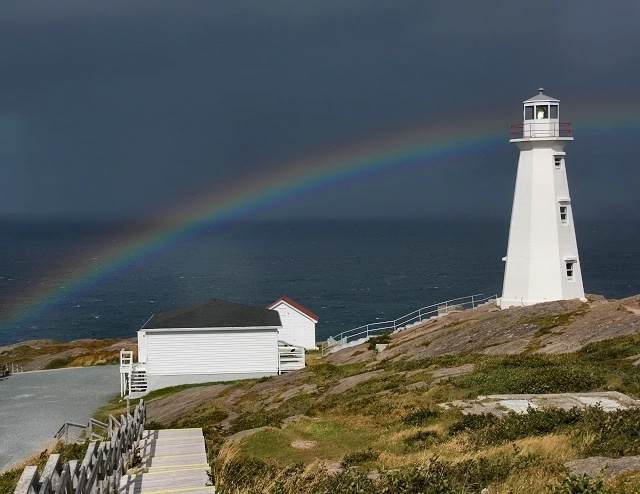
[390, 422]
[49, 354]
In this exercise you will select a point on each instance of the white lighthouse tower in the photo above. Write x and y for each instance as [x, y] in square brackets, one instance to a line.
[542, 261]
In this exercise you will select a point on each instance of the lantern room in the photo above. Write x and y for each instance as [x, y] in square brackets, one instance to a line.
[541, 119]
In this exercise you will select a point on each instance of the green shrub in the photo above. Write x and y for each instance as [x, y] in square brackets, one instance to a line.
[213, 441]
[345, 482]
[59, 363]
[421, 416]
[153, 425]
[421, 440]
[383, 339]
[253, 420]
[489, 430]
[609, 433]
[572, 484]
[608, 350]
[613, 433]
[241, 473]
[516, 374]
[433, 479]
[212, 417]
[473, 422]
[359, 457]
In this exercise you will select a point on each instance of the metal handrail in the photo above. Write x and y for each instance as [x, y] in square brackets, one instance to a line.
[380, 327]
[541, 129]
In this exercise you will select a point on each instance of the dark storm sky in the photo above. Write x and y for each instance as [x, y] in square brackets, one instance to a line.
[121, 109]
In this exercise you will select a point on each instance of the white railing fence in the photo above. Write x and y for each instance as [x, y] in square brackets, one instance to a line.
[126, 368]
[103, 465]
[11, 368]
[380, 327]
[290, 358]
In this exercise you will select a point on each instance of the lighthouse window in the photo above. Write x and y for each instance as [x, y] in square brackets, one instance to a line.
[569, 265]
[528, 112]
[541, 112]
[553, 111]
[557, 161]
[563, 214]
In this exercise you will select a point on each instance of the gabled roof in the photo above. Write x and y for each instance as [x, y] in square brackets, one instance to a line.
[214, 314]
[296, 306]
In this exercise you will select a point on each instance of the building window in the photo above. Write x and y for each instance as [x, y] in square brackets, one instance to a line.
[557, 161]
[553, 113]
[564, 211]
[542, 112]
[528, 112]
[569, 265]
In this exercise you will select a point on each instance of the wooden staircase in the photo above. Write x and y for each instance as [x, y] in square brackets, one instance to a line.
[172, 461]
[138, 382]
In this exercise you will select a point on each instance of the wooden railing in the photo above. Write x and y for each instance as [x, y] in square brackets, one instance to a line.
[8, 369]
[88, 429]
[103, 465]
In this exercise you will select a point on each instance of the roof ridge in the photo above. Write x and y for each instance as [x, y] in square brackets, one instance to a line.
[296, 306]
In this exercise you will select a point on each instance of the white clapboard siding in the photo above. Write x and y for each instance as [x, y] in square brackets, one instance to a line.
[210, 351]
[297, 329]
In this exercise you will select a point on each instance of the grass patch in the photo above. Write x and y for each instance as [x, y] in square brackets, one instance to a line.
[487, 429]
[547, 323]
[434, 476]
[257, 418]
[433, 363]
[600, 366]
[533, 373]
[357, 458]
[59, 363]
[210, 417]
[593, 431]
[88, 352]
[421, 440]
[326, 374]
[332, 441]
[421, 416]
[611, 350]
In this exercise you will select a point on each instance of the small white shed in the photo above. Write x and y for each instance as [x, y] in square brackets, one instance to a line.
[205, 342]
[298, 323]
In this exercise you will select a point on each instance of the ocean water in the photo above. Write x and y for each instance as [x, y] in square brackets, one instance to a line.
[348, 272]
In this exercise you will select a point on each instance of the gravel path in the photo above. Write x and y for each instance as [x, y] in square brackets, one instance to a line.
[34, 405]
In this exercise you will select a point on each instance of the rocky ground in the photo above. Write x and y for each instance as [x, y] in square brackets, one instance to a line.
[555, 327]
[357, 396]
[558, 327]
[47, 354]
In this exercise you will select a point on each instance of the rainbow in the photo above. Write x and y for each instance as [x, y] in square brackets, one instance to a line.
[432, 146]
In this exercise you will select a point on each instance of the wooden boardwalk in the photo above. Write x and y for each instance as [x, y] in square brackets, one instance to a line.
[173, 460]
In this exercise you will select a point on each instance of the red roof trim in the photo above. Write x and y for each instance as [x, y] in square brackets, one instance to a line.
[295, 305]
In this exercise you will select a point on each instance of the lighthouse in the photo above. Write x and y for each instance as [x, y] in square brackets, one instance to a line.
[542, 262]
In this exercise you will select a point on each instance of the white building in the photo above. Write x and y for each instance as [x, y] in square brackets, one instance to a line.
[542, 261]
[298, 323]
[207, 342]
